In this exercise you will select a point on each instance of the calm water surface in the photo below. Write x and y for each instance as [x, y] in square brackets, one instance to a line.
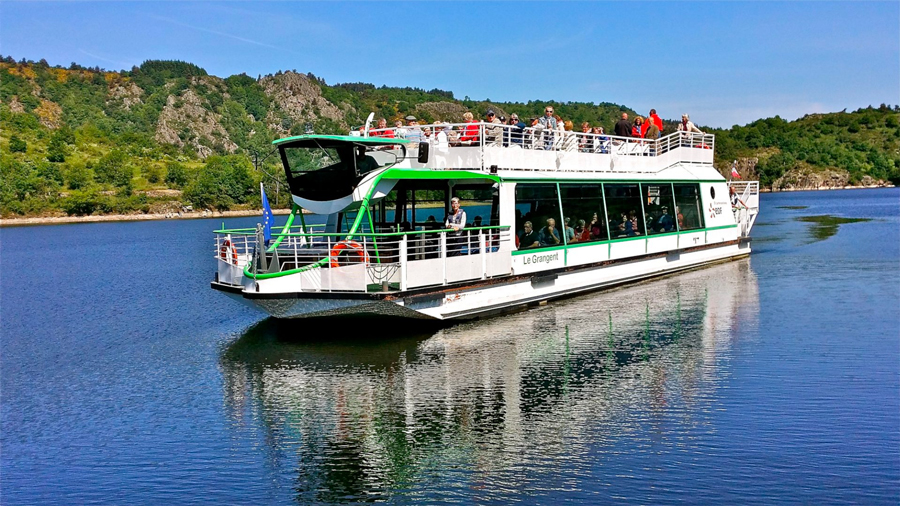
[126, 380]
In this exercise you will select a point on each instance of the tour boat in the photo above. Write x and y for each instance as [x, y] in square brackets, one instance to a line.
[548, 214]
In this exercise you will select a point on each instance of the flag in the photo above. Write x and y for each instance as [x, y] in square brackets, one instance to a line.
[734, 172]
[268, 217]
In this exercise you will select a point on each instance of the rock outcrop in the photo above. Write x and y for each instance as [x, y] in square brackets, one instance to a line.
[300, 99]
[185, 120]
[125, 93]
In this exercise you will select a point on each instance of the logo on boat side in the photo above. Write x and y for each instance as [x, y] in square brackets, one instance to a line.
[541, 259]
[714, 210]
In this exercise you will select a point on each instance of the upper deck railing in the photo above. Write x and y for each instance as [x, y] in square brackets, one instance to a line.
[482, 145]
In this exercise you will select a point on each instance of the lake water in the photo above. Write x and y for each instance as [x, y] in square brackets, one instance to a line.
[776, 379]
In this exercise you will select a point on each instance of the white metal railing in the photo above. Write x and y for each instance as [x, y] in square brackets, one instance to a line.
[744, 204]
[366, 261]
[537, 138]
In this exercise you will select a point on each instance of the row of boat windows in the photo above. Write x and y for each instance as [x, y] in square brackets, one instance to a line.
[551, 214]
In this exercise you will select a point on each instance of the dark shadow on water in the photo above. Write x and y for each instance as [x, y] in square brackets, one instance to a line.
[373, 341]
[792, 207]
[825, 226]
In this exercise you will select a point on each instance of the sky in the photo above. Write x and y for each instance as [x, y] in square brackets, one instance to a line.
[724, 63]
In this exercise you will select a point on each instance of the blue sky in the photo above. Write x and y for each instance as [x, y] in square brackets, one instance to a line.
[724, 63]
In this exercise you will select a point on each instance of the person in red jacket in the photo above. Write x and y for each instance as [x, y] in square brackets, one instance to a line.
[382, 130]
[655, 119]
[639, 128]
[470, 132]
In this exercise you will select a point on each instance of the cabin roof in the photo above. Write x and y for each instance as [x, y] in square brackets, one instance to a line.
[333, 140]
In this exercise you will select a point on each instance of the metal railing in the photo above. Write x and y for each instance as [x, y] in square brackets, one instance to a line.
[445, 136]
[365, 261]
[746, 206]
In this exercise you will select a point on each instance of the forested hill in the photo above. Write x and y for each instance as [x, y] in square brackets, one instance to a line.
[166, 134]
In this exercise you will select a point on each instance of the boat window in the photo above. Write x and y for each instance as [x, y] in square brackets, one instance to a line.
[688, 207]
[538, 204]
[582, 206]
[478, 203]
[305, 159]
[623, 208]
[659, 207]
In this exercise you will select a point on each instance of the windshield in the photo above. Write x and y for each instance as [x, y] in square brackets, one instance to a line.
[356, 158]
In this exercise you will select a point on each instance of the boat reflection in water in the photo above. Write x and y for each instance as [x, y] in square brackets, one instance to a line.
[500, 404]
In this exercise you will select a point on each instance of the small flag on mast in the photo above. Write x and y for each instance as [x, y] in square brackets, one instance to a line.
[734, 172]
[268, 217]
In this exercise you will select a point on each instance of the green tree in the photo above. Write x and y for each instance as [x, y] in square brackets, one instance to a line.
[17, 145]
[223, 182]
[113, 168]
[56, 149]
[176, 175]
[78, 177]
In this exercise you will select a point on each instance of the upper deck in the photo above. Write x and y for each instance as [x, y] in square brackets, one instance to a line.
[513, 152]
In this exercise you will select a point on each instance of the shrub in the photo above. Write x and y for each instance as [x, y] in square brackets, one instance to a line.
[176, 175]
[17, 145]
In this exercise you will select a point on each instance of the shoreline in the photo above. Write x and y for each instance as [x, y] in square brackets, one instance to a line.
[199, 215]
[194, 215]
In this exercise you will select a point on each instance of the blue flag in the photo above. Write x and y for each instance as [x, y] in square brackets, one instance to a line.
[268, 217]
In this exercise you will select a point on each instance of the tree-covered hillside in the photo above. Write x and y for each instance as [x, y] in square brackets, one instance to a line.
[167, 134]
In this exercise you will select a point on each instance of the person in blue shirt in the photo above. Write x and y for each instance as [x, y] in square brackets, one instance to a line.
[664, 223]
[549, 235]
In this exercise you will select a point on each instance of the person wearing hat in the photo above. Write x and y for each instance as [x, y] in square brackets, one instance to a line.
[413, 132]
[493, 135]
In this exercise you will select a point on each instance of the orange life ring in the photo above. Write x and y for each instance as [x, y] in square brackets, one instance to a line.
[223, 252]
[350, 246]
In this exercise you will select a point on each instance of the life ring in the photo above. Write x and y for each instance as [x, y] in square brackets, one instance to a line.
[350, 246]
[223, 252]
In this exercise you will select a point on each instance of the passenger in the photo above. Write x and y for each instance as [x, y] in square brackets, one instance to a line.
[600, 140]
[570, 232]
[493, 135]
[548, 126]
[665, 223]
[569, 139]
[585, 141]
[477, 221]
[549, 235]
[398, 128]
[680, 218]
[637, 130]
[456, 220]
[382, 130]
[651, 131]
[632, 217]
[582, 232]
[515, 134]
[528, 238]
[623, 127]
[687, 129]
[364, 162]
[440, 139]
[470, 131]
[413, 133]
[655, 119]
[596, 229]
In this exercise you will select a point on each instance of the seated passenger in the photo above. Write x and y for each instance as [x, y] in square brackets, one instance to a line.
[364, 162]
[596, 230]
[582, 232]
[399, 130]
[493, 135]
[570, 232]
[528, 238]
[632, 217]
[664, 223]
[549, 235]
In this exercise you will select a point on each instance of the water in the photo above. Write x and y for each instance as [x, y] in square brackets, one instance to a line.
[125, 379]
